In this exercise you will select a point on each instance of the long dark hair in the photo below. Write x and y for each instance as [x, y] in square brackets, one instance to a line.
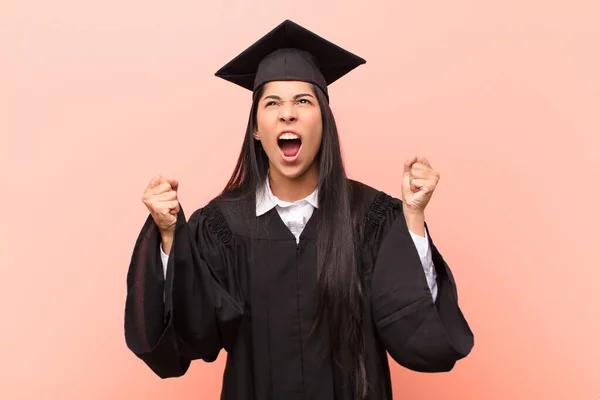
[339, 278]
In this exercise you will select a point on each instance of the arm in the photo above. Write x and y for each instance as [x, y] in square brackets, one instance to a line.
[164, 259]
[171, 318]
[424, 249]
[418, 332]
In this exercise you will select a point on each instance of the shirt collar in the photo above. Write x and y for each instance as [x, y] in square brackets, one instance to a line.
[266, 200]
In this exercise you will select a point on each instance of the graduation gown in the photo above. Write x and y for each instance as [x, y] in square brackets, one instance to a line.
[241, 283]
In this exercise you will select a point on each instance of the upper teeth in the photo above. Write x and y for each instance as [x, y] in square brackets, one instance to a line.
[288, 135]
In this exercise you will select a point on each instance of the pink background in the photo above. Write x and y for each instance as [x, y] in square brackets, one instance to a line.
[502, 96]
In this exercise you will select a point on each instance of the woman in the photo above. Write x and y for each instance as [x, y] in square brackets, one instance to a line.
[305, 278]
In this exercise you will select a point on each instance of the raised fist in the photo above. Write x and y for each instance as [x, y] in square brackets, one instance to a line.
[160, 197]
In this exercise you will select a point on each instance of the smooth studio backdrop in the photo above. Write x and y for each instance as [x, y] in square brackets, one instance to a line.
[503, 97]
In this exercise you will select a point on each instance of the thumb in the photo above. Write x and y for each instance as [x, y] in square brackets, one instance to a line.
[154, 182]
[407, 174]
[173, 182]
[423, 160]
[175, 210]
[408, 165]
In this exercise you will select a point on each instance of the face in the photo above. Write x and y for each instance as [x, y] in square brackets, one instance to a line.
[289, 127]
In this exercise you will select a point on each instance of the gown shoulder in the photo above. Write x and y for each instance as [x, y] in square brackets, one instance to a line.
[375, 209]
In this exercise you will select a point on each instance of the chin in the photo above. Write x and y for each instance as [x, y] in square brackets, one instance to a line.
[292, 172]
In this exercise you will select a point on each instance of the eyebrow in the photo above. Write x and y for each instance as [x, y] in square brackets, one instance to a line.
[296, 97]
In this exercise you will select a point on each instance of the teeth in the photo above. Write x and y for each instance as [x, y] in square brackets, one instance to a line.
[289, 136]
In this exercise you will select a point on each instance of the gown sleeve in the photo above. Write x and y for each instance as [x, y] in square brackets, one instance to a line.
[195, 311]
[418, 332]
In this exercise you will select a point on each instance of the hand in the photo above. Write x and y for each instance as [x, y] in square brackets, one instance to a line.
[160, 197]
[418, 184]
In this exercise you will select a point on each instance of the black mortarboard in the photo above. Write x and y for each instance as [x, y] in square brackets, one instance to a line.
[290, 52]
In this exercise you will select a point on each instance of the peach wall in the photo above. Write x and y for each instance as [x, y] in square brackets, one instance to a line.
[502, 96]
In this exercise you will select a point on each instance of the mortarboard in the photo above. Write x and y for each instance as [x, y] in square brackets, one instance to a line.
[290, 52]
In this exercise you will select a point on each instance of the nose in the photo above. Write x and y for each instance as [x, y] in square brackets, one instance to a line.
[288, 113]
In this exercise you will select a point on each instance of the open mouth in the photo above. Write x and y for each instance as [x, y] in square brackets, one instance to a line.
[289, 144]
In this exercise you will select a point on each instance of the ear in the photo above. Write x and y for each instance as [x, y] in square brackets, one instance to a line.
[256, 135]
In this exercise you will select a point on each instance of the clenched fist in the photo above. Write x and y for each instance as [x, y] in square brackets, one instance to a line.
[420, 180]
[161, 199]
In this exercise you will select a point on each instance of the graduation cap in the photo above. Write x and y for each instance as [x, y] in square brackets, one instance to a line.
[290, 52]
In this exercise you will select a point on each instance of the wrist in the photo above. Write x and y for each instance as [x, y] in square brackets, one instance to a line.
[167, 241]
[415, 221]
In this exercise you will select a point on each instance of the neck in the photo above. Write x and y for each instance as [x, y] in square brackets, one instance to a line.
[293, 189]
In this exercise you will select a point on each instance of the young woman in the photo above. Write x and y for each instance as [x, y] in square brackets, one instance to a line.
[307, 279]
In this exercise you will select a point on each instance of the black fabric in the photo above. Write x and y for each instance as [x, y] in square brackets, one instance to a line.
[290, 52]
[240, 283]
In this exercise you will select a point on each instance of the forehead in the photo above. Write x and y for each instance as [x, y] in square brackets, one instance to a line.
[287, 88]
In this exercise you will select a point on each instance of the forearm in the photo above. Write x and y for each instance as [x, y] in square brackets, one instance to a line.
[167, 242]
[415, 222]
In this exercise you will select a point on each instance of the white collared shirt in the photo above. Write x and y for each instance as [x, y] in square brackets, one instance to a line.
[295, 216]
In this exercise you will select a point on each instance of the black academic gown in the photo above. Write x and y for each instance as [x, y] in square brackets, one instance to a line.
[241, 283]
